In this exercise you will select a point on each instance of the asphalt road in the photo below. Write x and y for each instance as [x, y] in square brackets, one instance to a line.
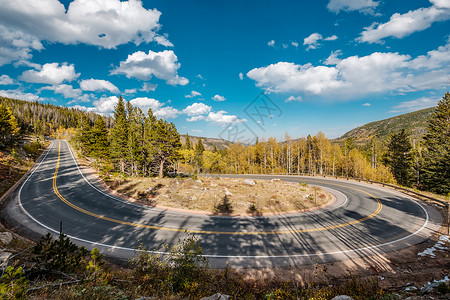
[365, 220]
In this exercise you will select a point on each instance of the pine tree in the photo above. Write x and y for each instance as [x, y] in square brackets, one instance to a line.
[9, 130]
[100, 143]
[436, 157]
[199, 148]
[187, 143]
[165, 145]
[136, 154]
[119, 135]
[85, 135]
[399, 157]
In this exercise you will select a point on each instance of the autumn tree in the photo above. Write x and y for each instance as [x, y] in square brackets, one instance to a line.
[9, 130]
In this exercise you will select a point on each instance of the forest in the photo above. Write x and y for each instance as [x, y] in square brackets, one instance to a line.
[136, 143]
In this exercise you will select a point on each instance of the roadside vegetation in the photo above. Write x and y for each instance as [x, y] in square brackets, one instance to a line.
[58, 269]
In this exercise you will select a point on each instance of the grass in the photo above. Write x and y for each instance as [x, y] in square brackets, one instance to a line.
[222, 195]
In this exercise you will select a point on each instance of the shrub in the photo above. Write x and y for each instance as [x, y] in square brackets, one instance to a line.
[13, 283]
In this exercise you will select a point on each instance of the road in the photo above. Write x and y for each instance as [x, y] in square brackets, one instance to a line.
[364, 221]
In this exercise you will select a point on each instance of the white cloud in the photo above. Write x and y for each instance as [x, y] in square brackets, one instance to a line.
[130, 91]
[271, 43]
[222, 118]
[414, 105]
[67, 90]
[98, 85]
[366, 104]
[193, 94]
[145, 103]
[17, 94]
[365, 6]
[195, 118]
[104, 23]
[5, 80]
[357, 76]
[401, 25]
[241, 76]
[295, 44]
[51, 73]
[314, 38]
[16, 45]
[331, 38]
[196, 109]
[218, 98]
[333, 59]
[163, 40]
[292, 98]
[148, 87]
[166, 112]
[162, 65]
[105, 105]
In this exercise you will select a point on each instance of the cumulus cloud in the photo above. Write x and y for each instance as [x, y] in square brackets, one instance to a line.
[295, 44]
[402, 25]
[51, 73]
[16, 45]
[18, 94]
[218, 98]
[65, 89]
[166, 112]
[241, 76]
[333, 59]
[364, 6]
[148, 87]
[312, 41]
[103, 23]
[162, 65]
[98, 85]
[5, 80]
[222, 118]
[366, 104]
[193, 94]
[271, 43]
[292, 98]
[196, 109]
[414, 105]
[357, 76]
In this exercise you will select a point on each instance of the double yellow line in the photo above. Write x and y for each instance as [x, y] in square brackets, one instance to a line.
[55, 189]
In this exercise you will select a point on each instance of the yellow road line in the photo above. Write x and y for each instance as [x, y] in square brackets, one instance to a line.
[55, 189]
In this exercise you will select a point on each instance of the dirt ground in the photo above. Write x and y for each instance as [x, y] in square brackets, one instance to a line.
[223, 195]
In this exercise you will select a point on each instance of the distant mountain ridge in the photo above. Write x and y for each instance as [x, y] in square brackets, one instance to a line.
[209, 143]
[414, 123]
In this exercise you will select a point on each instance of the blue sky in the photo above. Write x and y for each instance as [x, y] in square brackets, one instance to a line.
[217, 68]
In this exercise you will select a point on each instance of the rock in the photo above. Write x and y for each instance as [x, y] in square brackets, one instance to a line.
[227, 192]
[342, 297]
[217, 296]
[4, 256]
[275, 180]
[6, 237]
[213, 184]
[198, 181]
[249, 182]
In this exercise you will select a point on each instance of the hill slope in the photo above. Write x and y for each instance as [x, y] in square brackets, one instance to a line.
[209, 143]
[415, 124]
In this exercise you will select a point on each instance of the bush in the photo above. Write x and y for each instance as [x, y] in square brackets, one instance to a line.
[32, 148]
[13, 283]
[59, 255]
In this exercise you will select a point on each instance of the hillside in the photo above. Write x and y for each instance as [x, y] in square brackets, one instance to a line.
[415, 124]
[209, 143]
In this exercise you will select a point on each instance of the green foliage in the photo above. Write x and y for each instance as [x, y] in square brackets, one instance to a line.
[13, 284]
[9, 130]
[436, 173]
[399, 158]
[32, 148]
[119, 135]
[95, 267]
[60, 254]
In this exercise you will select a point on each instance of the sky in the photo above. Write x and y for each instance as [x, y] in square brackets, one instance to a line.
[231, 69]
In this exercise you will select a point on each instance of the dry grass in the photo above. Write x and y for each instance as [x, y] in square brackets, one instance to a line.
[223, 195]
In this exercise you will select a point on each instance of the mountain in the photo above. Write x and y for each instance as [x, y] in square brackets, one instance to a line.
[209, 143]
[415, 124]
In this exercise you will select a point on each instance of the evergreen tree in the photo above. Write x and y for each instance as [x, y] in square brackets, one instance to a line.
[9, 131]
[136, 154]
[399, 157]
[165, 145]
[119, 135]
[199, 148]
[100, 143]
[187, 144]
[436, 172]
[85, 135]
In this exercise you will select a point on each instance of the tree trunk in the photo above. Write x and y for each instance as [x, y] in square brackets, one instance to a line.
[161, 168]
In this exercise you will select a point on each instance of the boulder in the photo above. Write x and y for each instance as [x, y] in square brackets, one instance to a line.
[6, 237]
[217, 296]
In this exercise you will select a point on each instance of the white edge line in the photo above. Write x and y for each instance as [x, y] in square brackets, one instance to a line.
[228, 256]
